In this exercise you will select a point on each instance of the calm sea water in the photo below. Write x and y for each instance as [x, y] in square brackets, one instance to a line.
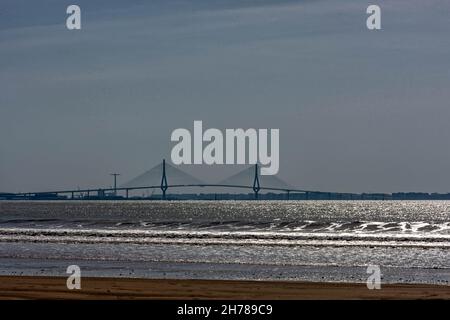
[293, 240]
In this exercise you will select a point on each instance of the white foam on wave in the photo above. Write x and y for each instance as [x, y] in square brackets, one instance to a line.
[225, 237]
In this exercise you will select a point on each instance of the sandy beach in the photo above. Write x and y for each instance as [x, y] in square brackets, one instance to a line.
[24, 287]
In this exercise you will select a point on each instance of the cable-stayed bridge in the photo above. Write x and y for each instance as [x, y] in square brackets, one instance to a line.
[165, 177]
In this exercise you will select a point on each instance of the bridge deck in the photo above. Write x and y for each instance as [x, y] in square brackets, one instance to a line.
[157, 187]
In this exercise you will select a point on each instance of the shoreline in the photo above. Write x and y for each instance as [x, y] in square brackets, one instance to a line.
[45, 287]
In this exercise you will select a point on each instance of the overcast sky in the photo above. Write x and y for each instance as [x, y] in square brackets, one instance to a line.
[358, 110]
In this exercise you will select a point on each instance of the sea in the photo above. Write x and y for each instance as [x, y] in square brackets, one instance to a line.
[320, 241]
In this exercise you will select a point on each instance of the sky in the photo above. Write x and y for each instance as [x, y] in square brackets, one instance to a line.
[357, 110]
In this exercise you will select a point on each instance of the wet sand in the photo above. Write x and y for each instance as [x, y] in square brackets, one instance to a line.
[33, 287]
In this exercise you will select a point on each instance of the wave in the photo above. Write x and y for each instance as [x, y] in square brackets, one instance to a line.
[236, 225]
[358, 234]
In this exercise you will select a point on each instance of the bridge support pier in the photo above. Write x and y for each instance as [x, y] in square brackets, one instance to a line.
[126, 193]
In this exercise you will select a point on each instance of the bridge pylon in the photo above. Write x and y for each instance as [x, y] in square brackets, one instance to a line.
[164, 184]
[256, 185]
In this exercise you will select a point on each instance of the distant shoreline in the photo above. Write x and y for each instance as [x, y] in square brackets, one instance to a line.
[26, 287]
[246, 197]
